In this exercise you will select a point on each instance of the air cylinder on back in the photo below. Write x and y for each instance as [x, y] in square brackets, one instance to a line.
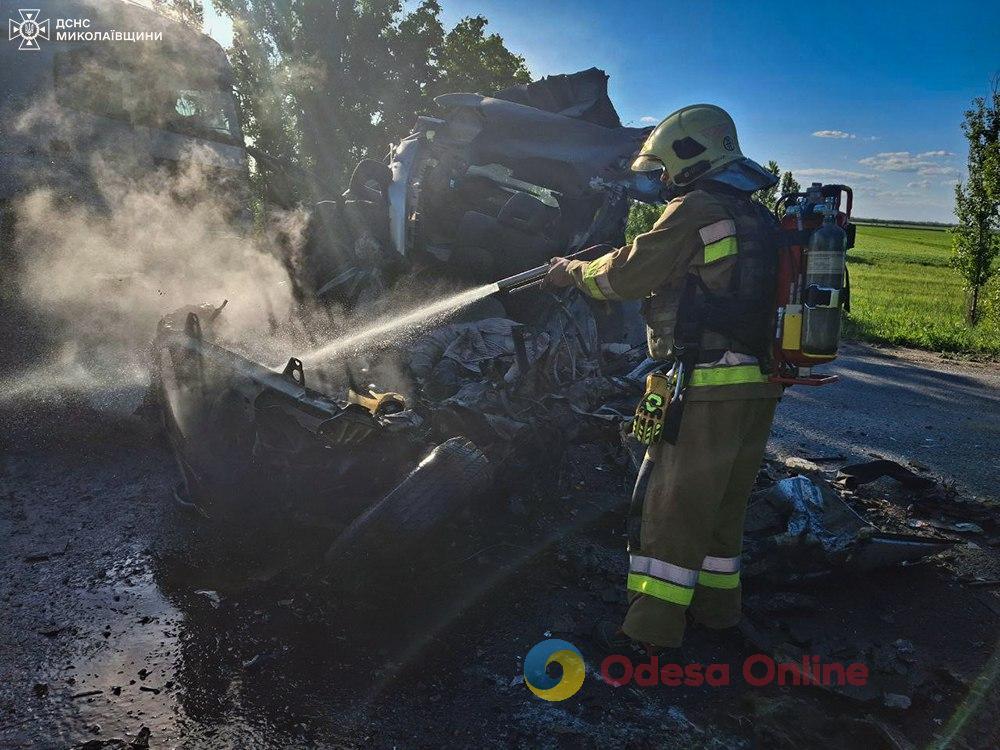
[824, 287]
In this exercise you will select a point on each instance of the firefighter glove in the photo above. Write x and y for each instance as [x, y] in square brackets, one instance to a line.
[652, 409]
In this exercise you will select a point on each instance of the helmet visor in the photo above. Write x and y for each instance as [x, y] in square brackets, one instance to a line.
[647, 163]
[746, 175]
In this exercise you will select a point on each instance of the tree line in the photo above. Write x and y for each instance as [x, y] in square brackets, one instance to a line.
[322, 84]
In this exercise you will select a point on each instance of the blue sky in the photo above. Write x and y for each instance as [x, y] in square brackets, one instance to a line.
[870, 94]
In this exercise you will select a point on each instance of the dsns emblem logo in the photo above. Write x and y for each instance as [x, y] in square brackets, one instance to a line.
[554, 651]
[29, 30]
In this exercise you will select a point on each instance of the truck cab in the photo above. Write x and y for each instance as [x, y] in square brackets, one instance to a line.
[115, 82]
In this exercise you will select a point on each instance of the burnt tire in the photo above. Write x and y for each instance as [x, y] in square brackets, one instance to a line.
[412, 517]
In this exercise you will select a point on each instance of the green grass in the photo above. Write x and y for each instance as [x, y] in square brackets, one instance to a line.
[903, 291]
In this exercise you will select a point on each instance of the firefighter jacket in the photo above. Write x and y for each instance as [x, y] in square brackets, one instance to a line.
[714, 236]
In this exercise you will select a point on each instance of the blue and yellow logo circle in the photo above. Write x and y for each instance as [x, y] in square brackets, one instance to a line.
[564, 654]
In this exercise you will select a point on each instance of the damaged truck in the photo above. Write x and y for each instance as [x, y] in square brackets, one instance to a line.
[490, 187]
[162, 103]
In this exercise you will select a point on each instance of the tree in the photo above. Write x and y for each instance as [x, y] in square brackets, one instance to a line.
[191, 12]
[416, 43]
[468, 60]
[975, 243]
[323, 84]
[641, 217]
[769, 196]
[789, 184]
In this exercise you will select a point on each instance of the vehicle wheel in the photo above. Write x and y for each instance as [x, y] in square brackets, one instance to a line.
[385, 537]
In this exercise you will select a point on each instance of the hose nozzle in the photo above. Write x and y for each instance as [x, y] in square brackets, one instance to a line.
[534, 277]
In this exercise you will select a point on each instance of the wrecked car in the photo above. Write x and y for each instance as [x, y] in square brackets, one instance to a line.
[260, 445]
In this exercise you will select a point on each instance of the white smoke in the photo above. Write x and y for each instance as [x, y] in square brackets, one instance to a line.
[99, 276]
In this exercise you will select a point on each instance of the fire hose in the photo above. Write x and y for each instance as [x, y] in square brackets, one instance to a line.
[533, 278]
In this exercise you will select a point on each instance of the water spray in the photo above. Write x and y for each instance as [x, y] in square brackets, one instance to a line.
[385, 331]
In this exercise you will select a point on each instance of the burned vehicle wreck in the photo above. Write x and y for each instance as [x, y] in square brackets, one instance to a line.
[259, 444]
[493, 187]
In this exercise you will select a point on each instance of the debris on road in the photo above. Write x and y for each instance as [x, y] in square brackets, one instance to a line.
[212, 596]
[85, 694]
[895, 700]
[854, 475]
[800, 528]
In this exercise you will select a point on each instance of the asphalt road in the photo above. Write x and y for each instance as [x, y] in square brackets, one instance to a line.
[110, 621]
[903, 405]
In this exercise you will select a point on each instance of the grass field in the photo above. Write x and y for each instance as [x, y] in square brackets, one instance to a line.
[904, 292]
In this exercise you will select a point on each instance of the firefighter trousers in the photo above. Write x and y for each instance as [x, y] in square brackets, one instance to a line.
[686, 520]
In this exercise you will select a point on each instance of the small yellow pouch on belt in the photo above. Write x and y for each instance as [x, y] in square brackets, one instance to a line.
[651, 412]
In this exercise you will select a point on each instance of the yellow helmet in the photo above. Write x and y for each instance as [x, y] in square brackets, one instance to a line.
[691, 143]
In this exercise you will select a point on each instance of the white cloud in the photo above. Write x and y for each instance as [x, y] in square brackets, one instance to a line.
[893, 161]
[904, 161]
[897, 196]
[648, 120]
[939, 170]
[919, 184]
[833, 174]
[905, 203]
[833, 134]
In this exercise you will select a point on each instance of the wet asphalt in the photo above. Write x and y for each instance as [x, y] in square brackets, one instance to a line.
[124, 621]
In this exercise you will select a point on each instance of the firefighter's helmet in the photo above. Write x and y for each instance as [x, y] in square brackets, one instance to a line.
[693, 142]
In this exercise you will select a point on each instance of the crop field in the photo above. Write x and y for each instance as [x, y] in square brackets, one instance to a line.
[905, 292]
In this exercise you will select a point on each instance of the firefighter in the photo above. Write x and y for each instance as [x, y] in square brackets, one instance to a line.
[706, 272]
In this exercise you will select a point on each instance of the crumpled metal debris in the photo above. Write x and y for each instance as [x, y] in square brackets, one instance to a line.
[808, 516]
[799, 528]
[854, 475]
[459, 348]
[492, 379]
